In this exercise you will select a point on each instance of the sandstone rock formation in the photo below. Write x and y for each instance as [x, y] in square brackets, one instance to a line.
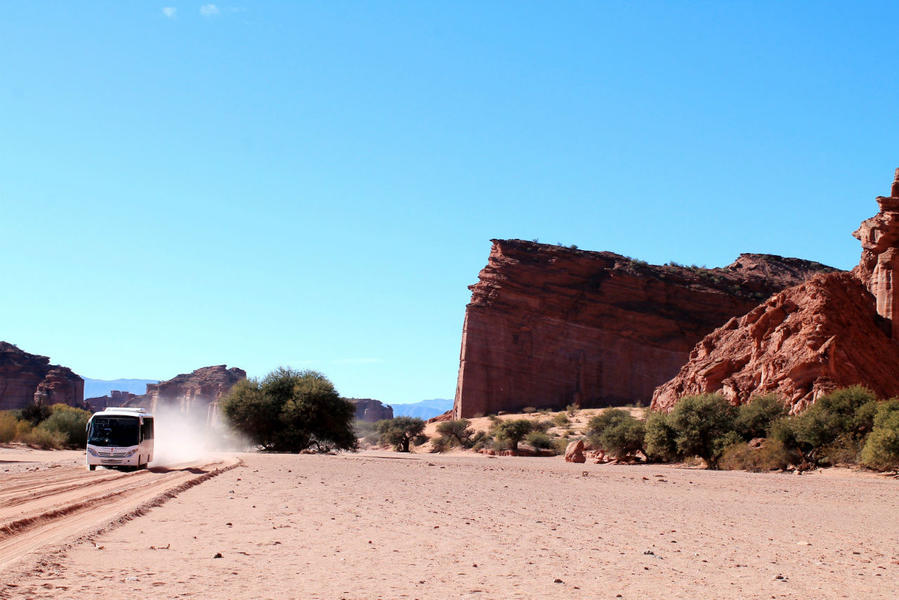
[28, 378]
[371, 410]
[574, 452]
[801, 343]
[879, 263]
[114, 398]
[549, 326]
[195, 394]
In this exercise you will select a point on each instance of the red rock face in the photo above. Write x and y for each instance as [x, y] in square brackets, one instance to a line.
[115, 398]
[371, 410]
[549, 326]
[27, 378]
[799, 344]
[194, 394]
[879, 263]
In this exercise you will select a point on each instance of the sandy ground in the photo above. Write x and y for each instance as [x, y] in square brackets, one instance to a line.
[384, 525]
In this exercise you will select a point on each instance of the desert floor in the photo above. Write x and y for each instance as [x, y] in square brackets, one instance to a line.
[386, 525]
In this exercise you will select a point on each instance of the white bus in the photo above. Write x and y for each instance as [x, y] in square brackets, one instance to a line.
[120, 438]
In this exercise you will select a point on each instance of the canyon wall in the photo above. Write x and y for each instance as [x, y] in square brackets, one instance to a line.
[29, 378]
[195, 394]
[549, 326]
[370, 410]
[799, 344]
[833, 331]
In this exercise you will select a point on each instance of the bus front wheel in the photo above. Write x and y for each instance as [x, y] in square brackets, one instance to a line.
[92, 467]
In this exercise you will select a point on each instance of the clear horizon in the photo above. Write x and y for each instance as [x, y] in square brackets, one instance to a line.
[315, 185]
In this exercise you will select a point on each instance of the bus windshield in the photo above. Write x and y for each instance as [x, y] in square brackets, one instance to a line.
[114, 431]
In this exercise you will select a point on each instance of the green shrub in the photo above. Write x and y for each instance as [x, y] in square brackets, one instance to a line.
[660, 442]
[70, 422]
[561, 420]
[291, 411]
[402, 432]
[508, 433]
[458, 432]
[540, 440]
[617, 432]
[841, 412]
[8, 423]
[771, 456]
[34, 413]
[754, 420]
[45, 439]
[881, 449]
[481, 440]
[441, 444]
[699, 422]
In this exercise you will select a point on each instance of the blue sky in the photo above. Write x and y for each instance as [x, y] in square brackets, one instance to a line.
[316, 184]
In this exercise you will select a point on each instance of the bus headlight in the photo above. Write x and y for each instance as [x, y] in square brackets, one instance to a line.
[131, 452]
[92, 452]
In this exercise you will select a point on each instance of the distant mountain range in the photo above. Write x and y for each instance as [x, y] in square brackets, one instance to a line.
[94, 388]
[425, 409]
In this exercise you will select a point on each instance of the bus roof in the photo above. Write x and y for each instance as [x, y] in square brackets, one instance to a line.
[123, 411]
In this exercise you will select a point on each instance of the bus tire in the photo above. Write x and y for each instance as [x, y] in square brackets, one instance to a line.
[92, 467]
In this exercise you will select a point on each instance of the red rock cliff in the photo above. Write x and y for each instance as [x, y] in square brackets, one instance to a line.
[879, 263]
[194, 394]
[549, 326]
[27, 378]
[799, 344]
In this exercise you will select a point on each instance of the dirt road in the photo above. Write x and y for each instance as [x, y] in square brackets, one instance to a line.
[48, 504]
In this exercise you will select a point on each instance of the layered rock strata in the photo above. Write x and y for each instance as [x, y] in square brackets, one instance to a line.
[195, 394]
[799, 344]
[879, 264]
[549, 326]
[114, 398]
[370, 410]
[29, 378]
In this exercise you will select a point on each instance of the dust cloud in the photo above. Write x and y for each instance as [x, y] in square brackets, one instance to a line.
[182, 439]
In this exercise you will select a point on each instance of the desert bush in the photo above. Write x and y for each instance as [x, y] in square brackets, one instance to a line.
[34, 413]
[572, 409]
[45, 439]
[881, 449]
[839, 412]
[402, 432]
[291, 411]
[699, 421]
[69, 421]
[561, 419]
[508, 433]
[539, 440]
[481, 440]
[441, 444]
[8, 423]
[754, 420]
[367, 431]
[617, 432]
[660, 441]
[771, 456]
[456, 433]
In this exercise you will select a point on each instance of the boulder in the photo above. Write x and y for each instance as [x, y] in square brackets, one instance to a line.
[574, 452]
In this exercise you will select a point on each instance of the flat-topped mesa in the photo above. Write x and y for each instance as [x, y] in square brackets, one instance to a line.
[549, 326]
[879, 262]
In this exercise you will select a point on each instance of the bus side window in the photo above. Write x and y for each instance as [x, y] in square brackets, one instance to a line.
[148, 429]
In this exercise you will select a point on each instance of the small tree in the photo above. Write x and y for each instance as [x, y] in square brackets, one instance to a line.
[291, 411]
[660, 441]
[401, 432]
[457, 432]
[512, 431]
[836, 423]
[699, 422]
[617, 432]
[881, 450]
